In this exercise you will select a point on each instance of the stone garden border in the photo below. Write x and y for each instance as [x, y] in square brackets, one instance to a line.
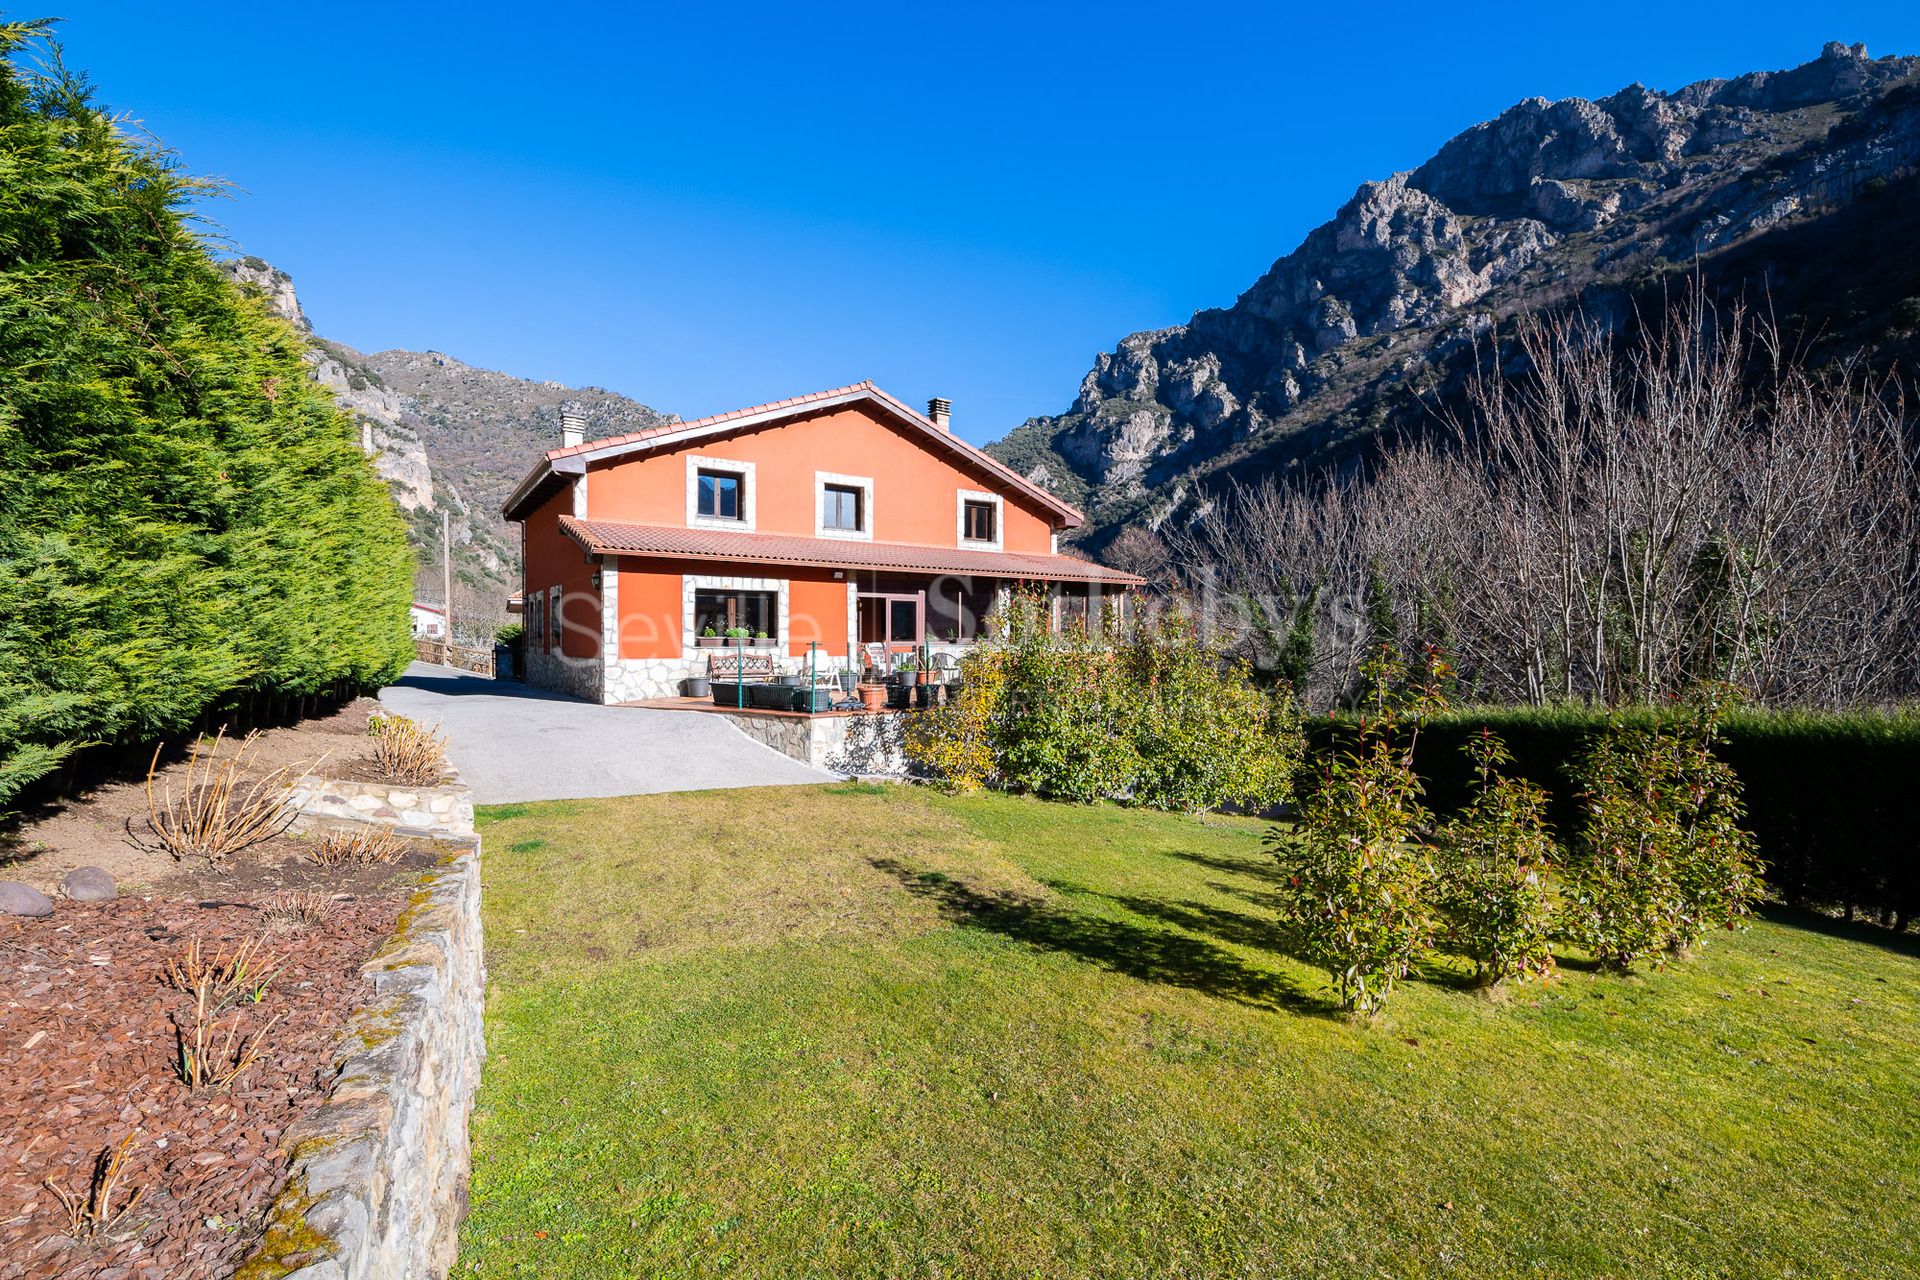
[377, 1184]
[445, 808]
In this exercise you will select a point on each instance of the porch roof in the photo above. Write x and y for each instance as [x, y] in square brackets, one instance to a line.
[615, 537]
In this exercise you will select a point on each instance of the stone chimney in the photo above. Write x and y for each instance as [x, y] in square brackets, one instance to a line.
[573, 428]
[940, 412]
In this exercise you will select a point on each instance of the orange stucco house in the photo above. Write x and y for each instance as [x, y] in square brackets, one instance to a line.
[843, 518]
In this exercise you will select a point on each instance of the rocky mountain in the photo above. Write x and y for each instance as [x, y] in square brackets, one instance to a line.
[1793, 185]
[449, 437]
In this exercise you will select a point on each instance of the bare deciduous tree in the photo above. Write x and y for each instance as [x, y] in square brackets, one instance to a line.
[1607, 523]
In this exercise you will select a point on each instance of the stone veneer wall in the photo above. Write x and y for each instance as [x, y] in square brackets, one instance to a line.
[378, 1181]
[577, 676]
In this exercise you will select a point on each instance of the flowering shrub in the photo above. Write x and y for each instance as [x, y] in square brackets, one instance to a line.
[1663, 857]
[1355, 895]
[954, 742]
[1493, 861]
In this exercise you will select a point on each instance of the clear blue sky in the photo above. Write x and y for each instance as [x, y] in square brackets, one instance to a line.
[706, 206]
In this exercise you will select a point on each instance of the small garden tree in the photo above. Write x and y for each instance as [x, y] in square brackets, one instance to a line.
[1662, 855]
[1357, 889]
[1493, 862]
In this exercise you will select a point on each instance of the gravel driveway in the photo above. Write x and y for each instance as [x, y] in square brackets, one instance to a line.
[513, 742]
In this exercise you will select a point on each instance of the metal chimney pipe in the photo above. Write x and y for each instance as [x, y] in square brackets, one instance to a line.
[940, 412]
[573, 428]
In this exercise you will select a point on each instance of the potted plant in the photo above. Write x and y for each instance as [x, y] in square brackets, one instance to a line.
[909, 672]
[873, 695]
[710, 638]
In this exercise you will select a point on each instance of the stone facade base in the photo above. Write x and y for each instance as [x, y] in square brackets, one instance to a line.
[577, 676]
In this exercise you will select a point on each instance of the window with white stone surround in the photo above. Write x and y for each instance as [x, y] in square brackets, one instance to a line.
[978, 513]
[693, 586]
[721, 494]
[842, 506]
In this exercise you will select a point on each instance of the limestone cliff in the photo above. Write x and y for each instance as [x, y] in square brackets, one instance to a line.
[1345, 336]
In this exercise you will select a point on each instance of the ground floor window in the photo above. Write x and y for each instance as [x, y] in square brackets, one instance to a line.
[715, 612]
[957, 607]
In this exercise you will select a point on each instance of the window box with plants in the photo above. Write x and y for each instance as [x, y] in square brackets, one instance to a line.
[734, 638]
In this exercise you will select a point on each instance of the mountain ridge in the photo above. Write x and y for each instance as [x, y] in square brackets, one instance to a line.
[448, 436]
[1378, 309]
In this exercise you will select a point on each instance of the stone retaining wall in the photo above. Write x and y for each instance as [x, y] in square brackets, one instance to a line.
[867, 745]
[378, 1179]
[443, 809]
[378, 1183]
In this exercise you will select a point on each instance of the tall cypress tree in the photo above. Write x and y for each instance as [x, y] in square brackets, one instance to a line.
[184, 514]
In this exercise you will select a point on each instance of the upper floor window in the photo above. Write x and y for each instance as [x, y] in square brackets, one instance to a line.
[978, 521]
[840, 508]
[722, 495]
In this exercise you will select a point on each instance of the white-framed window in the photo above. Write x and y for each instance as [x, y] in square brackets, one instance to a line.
[721, 493]
[977, 519]
[842, 506]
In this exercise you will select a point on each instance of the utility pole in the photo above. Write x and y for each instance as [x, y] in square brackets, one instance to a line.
[446, 584]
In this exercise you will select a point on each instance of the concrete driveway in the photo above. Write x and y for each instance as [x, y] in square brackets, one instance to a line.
[512, 742]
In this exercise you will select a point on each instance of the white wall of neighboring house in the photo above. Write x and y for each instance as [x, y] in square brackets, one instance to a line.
[429, 623]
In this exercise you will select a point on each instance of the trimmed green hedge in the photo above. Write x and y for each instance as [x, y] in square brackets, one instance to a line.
[185, 516]
[1830, 797]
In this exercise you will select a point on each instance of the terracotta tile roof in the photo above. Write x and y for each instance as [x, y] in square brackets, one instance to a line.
[714, 420]
[574, 458]
[615, 537]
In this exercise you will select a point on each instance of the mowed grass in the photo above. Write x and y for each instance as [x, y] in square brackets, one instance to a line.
[878, 1032]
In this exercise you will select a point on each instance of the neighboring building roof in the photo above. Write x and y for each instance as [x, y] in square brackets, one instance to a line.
[428, 608]
[615, 537]
[573, 460]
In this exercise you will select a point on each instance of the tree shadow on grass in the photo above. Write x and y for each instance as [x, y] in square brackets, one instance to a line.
[1152, 955]
[1226, 925]
[1906, 944]
[1265, 869]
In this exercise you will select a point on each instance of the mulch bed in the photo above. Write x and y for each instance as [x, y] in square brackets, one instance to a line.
[88, 1054]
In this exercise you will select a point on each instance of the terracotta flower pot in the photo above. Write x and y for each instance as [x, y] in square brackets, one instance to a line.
[873, 696]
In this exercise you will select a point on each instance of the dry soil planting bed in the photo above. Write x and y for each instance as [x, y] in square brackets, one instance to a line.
[89, 1054]
[106, 826]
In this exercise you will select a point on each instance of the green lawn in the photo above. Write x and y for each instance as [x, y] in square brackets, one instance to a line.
[877, 1032]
